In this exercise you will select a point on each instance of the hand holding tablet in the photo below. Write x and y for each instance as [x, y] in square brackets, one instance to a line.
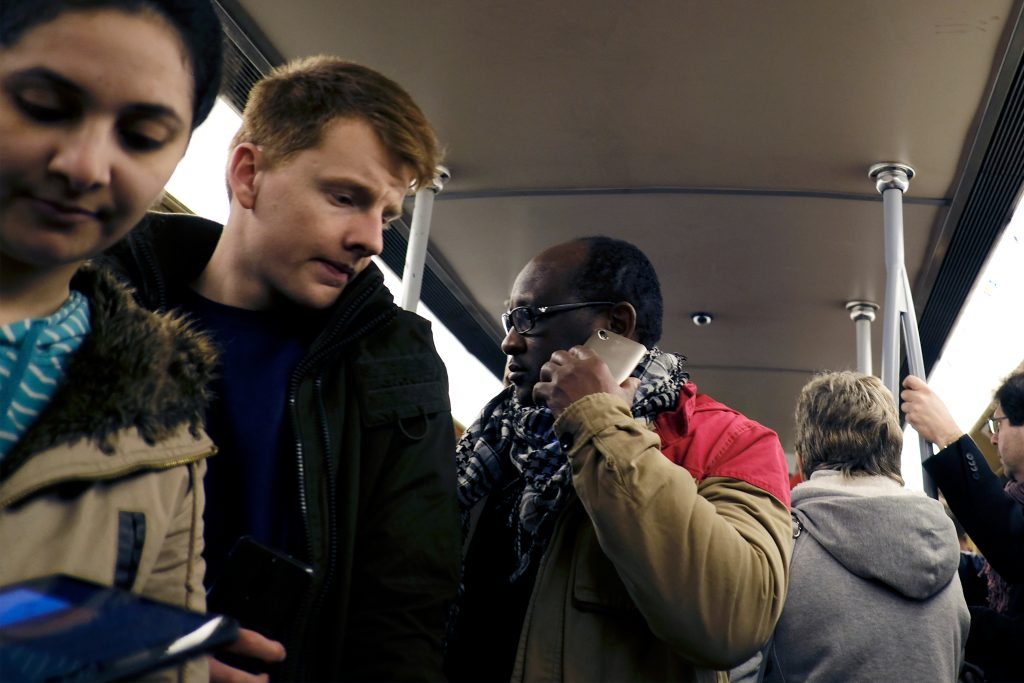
[62, 628]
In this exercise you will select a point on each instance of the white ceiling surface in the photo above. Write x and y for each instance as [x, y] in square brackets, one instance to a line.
[678, 102]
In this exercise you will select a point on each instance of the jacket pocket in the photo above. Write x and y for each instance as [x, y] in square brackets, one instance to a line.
[131, 538]
[596, 586]
[400, 388]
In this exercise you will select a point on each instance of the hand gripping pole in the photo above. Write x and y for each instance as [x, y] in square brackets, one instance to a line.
[892, 180]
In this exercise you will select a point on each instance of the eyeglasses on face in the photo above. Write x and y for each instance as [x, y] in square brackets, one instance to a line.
[993, 423]
[523, 318]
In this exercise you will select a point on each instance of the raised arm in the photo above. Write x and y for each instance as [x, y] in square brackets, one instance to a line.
[994, 520]
[705, 562]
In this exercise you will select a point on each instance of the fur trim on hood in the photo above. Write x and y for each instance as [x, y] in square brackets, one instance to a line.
[135, 369]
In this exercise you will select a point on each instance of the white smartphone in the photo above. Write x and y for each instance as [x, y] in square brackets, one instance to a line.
[619, 353]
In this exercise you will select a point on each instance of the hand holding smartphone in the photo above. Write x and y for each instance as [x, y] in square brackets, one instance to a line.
[619, 354]
[263, 588]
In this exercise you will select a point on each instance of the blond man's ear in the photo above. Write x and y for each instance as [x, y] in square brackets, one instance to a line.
[243, 174]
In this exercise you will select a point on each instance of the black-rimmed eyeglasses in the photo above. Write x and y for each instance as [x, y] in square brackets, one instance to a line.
[993, 423]
[523, 318]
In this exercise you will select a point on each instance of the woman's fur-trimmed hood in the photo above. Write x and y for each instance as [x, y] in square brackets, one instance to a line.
[135, 369]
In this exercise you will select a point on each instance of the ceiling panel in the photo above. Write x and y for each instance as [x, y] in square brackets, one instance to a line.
[789, 95]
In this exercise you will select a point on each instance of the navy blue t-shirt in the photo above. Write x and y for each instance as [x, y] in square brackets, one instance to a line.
[251, 485]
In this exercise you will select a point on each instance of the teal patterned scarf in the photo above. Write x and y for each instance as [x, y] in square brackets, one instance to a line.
[33, 357]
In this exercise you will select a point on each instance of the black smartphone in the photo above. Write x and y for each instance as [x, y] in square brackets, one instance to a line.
[262, 587]
[62, 628]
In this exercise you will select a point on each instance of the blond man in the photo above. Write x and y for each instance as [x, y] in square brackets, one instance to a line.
[331, 411]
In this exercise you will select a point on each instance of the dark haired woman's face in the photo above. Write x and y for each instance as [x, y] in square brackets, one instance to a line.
[95, 113]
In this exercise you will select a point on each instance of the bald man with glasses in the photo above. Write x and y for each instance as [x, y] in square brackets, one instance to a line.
[991, 511]
[635, 531]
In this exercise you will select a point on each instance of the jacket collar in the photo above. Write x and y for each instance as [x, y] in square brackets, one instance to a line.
[136, 369]
[673, 425]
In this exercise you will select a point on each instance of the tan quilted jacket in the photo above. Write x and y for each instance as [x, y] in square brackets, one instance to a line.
[107, 484]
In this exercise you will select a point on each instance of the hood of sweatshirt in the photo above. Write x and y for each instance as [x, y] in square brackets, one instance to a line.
[880, 531]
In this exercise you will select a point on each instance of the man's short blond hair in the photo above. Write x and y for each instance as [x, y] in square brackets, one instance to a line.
[847, 421]
[288, 110]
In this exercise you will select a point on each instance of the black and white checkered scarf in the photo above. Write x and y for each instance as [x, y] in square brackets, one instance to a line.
[509, 441]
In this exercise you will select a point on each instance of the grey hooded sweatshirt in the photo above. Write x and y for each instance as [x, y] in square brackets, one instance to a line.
[874, 593]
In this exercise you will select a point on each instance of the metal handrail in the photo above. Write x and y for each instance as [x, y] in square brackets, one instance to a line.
[892, 180]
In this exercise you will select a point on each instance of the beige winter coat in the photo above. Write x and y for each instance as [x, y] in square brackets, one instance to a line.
[107, 484]
[671, 565]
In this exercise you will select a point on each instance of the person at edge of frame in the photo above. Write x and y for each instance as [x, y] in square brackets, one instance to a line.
[990, 509]
[102, 451]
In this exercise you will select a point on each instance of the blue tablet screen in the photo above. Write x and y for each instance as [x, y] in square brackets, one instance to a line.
[24, 604]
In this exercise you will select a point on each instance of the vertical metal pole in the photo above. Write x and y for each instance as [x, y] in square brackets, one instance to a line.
[862, 313]
[419, 237]
[892, 180]
[864, 346]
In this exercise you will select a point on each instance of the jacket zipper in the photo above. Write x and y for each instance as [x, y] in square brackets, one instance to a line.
[114, 474]
[312, 605]
[332, 505]
[293, 664]
[293, 390]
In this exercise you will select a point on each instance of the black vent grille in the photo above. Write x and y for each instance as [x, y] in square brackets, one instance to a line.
[239, 76]
[244, 62]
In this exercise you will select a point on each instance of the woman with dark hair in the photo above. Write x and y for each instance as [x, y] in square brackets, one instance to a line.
[101, 448]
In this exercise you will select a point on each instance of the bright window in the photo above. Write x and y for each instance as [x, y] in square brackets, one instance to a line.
[985, 344]
[199, 181]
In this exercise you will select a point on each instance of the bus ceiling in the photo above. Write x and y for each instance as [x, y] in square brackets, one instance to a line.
[729, 140]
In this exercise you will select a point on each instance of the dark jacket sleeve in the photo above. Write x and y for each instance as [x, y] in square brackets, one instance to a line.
[993, 520]
[407, 553]
[407, 576]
